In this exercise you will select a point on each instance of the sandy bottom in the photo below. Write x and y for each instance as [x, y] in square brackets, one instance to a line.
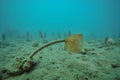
[54, 63]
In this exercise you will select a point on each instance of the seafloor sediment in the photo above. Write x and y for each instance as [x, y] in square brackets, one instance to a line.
[54, 63]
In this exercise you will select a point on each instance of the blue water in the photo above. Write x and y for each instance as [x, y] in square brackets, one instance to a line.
[100, 17]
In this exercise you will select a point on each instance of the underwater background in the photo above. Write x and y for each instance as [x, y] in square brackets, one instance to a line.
[100, 17]
[59, 39]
